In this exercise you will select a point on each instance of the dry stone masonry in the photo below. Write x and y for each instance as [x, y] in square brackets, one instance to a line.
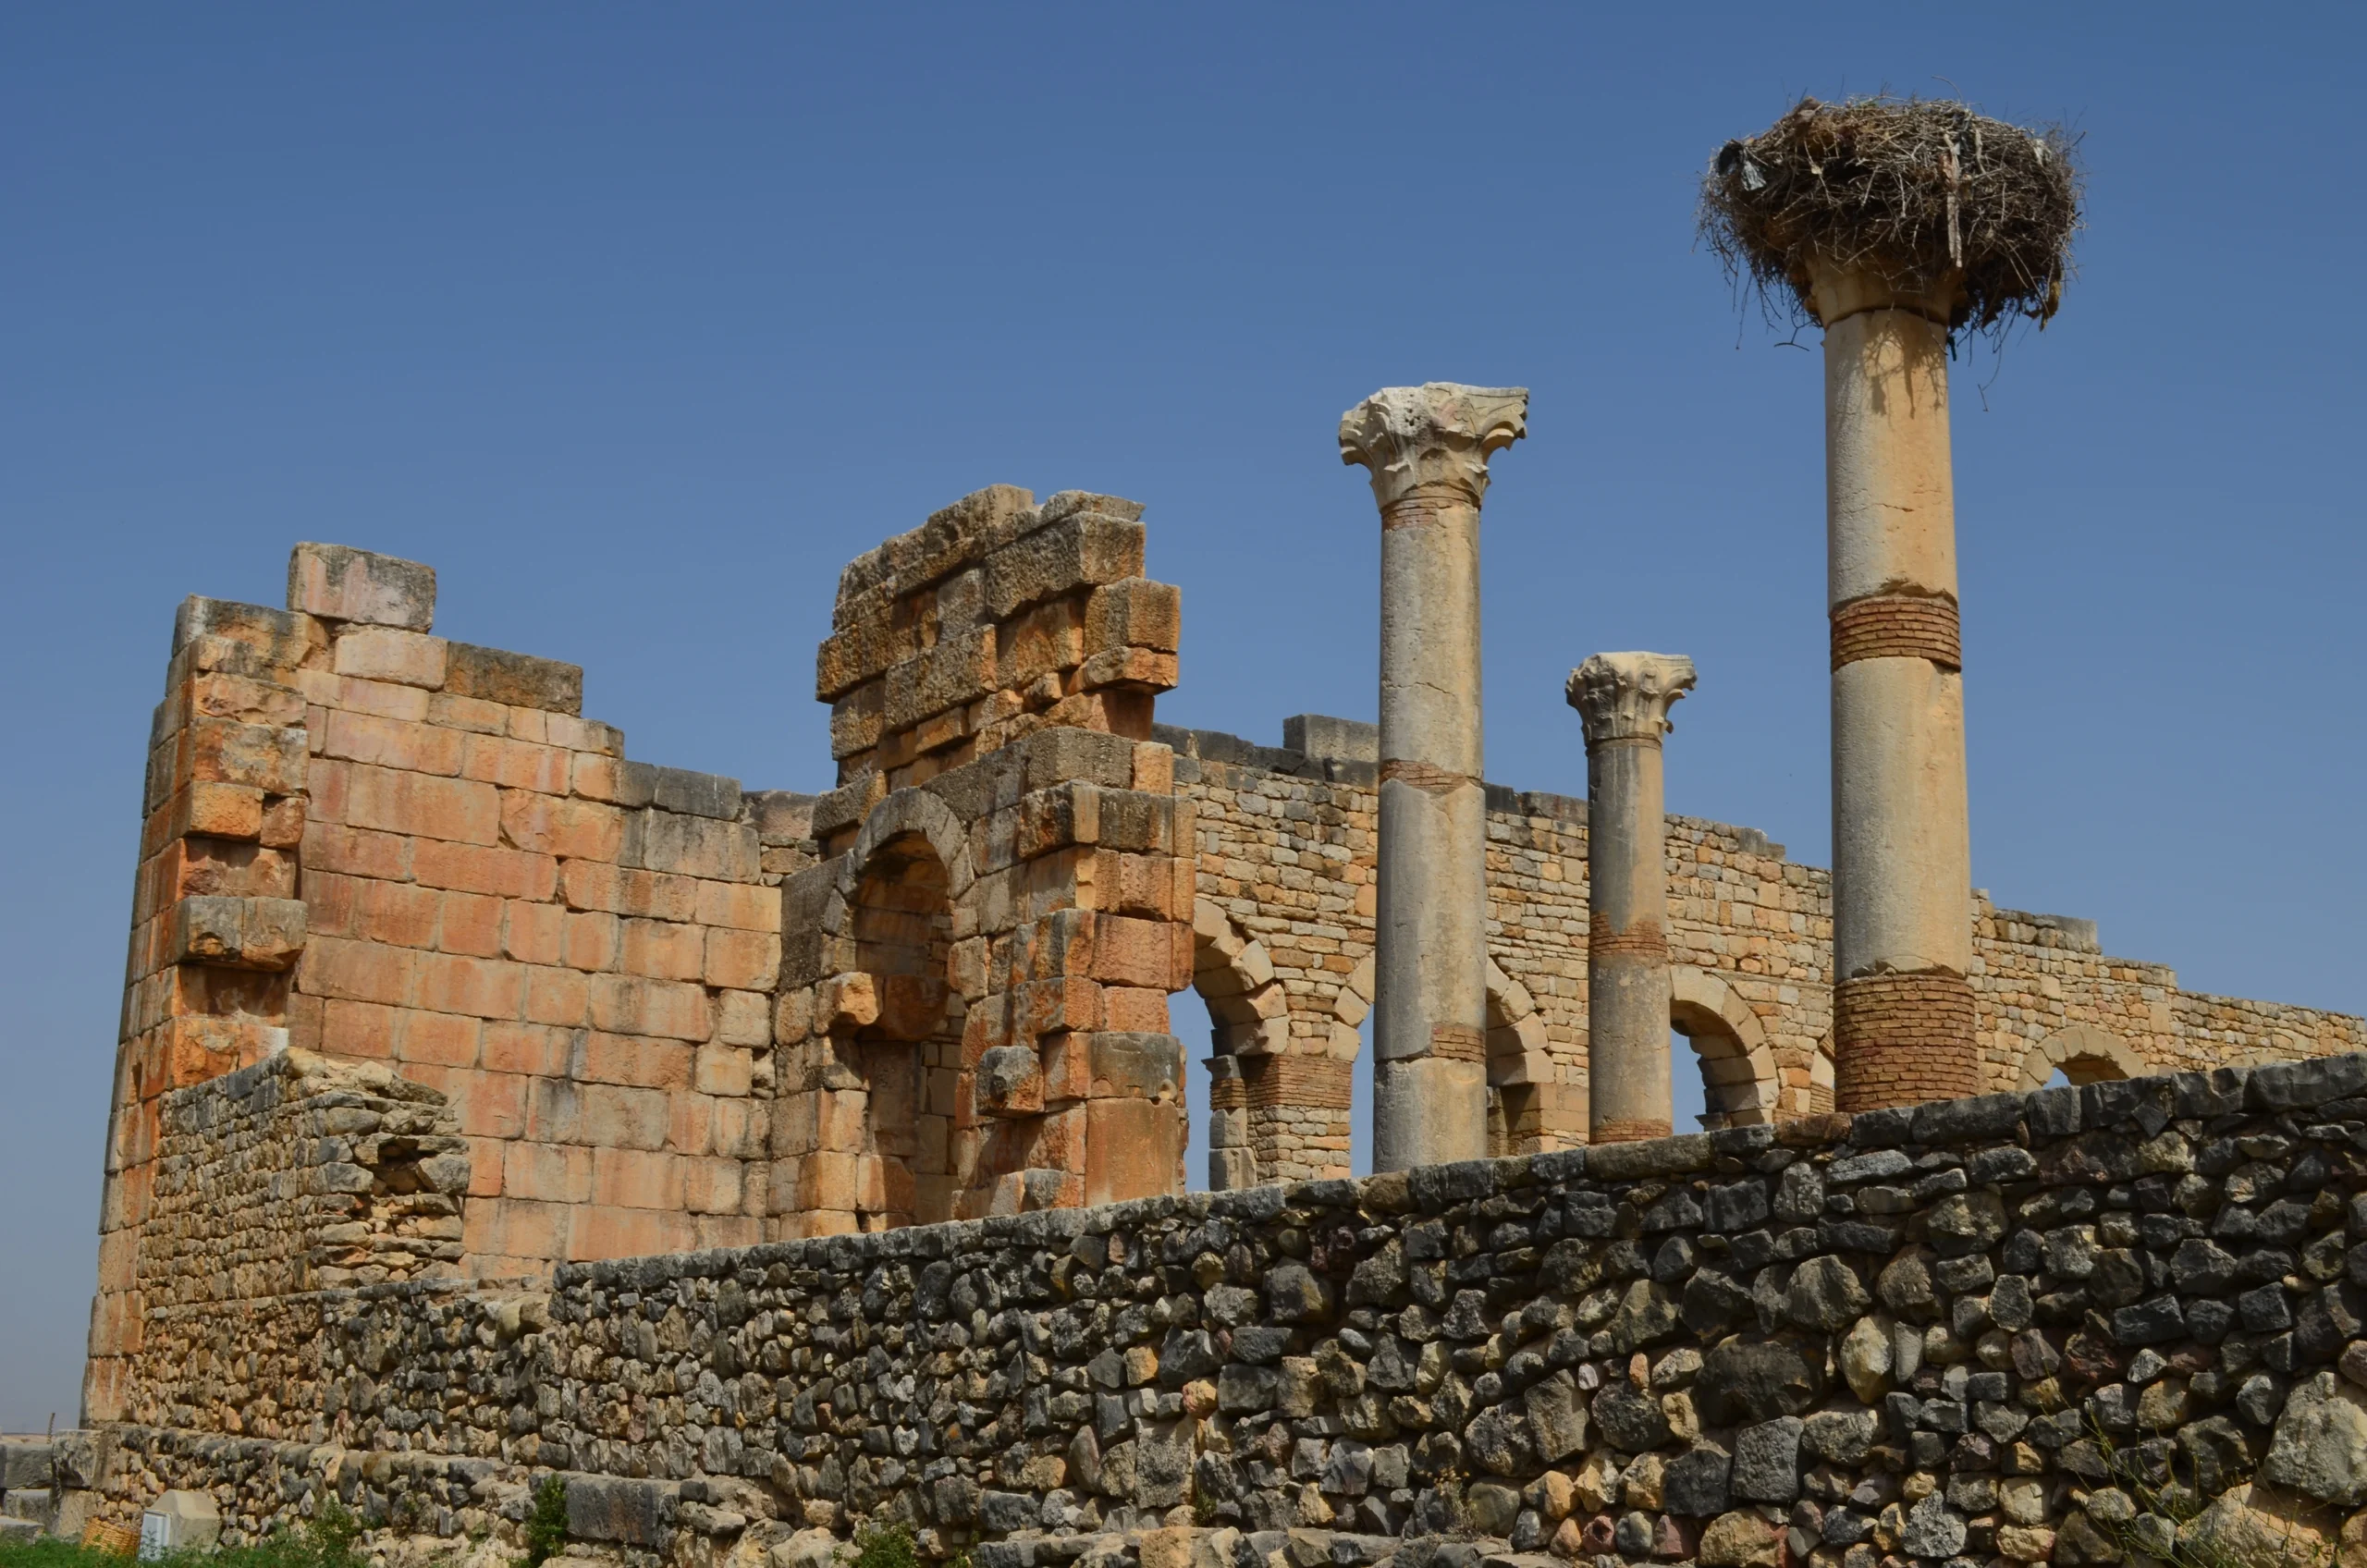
[2077, 1325]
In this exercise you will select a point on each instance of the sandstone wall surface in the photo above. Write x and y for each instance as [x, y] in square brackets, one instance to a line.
[1286, 849]
[2061, 1326]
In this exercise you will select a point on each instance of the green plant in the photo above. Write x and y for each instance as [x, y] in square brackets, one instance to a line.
[885, 1546]
[547, 1526]
[328, 1540]
[2181, 1504]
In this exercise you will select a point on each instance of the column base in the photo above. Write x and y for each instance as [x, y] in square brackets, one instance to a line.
[1628, 1130]
[1903, 1039]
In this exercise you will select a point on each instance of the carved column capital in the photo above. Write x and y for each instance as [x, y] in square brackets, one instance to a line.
[1626, 697]
[1429, 445]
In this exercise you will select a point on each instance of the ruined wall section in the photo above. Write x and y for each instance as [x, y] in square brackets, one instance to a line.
[277, 1183]
[1286, 855]
[2048, 996]
[973, 1009]
[378, 844]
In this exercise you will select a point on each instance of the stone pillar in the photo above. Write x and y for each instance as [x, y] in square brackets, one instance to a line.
[1624, 701]
[1902, 857]
[1427, 449]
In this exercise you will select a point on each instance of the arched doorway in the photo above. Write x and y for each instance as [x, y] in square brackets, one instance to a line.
[1729, 1048]
[906, 1061]
[2083, 1054]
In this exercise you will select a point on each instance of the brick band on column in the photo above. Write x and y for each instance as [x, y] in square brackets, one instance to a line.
[1896, 626]
[1316, 1083]
[1902, 1039]
[1650, 944]
[1458, 1042]
[1629, 1129]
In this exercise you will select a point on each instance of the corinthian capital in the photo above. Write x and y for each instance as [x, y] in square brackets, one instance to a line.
[1626, 697]
[1430, 442]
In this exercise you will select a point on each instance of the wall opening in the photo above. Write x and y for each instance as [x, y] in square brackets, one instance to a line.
[909, 1060]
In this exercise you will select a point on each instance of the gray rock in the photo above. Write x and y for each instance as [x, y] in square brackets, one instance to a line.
[1647, 1313]
[2320, 1446]
[1767, 1461]
[1934, 1529]
[2199, 1268]
[2149, 1323]
[2214, 1446]
[1904, 1285]
[1825, 1295]
[1737, 1207]
[1964, 1222]
[2011, 1303]
[1840, 1436]
[1295, 1295]
[1557, 1418]
[1694, 1484]
[1748, 1379]
[613, 1508]
[1629, 1419]
[1799, 1195]
[1493, 1509]
[1956, 1121]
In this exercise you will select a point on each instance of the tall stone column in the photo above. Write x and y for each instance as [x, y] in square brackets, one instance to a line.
[1902, 855]
[1428, 449]
[1624, 701]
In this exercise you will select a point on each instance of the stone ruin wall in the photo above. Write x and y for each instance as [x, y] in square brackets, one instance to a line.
[2123, 1322]
[374, 843]
[667, 1013]
[1286, 848]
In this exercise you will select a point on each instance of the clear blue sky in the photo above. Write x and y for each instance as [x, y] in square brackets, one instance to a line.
[637, 322]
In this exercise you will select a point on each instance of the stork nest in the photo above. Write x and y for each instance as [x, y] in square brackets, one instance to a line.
[1912, 190]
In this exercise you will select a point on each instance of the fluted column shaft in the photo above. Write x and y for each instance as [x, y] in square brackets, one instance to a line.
[1427, 449]
[1902, 866]
[1624, 699]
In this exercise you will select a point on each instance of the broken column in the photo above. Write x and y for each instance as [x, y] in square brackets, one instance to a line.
[1894, 224]
[1428, 449]
[1623, 700]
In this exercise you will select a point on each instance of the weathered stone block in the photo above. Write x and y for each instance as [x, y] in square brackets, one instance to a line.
[337, 582]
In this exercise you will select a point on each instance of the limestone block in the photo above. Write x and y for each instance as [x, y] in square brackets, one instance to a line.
[180, 1521]
[239, 933]
[517, 681]
[272, 639]
[337, 582]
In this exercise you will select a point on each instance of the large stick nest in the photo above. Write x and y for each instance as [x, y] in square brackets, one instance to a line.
[1912, 190]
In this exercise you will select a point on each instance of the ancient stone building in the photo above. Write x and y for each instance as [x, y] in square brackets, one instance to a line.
[436, 998]
[666, 1013]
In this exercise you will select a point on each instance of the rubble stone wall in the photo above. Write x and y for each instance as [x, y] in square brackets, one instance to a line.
[2070, 1326]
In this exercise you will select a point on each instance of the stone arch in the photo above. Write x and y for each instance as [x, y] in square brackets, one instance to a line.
[2085, 1053]
[1738, 1080]
[1518, 1067]
[1234, 977]
[1250, 1011]
[896, 1032]
[909, 811]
